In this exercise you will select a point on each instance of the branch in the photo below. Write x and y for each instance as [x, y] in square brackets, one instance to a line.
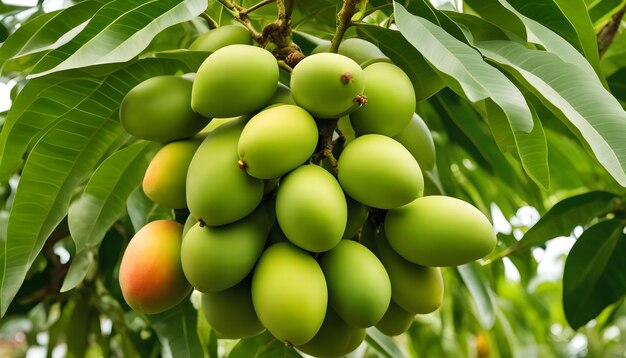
[344, 20]
[607, 34]
[212, 23]
[240, 14]
[326, 145]
[257, 6]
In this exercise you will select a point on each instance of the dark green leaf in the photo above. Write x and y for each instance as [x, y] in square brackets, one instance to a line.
[563, 217]
[118, 32]
[382, 343]
[105, 196]
[425, 80]
[191, 59]
[262, 346]
[584, 105]
[142, 210]
[83, 124]
[595, 272]
[176, 329]
[600, 10]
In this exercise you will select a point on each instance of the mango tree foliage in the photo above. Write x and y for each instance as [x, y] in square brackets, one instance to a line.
[524, 99]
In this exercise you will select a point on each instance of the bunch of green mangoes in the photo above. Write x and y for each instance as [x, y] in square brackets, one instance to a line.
[273, 240]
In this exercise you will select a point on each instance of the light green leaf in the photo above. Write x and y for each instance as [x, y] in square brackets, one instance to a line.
[425, 80]
[80, 265]
[176, 329]
[105, 196]
[83, 124]
[463, 69]
[563, 217]
[585, 106]
[477, 285]
[118, 32]
[595, 272]
[382, 343]
[44, 33]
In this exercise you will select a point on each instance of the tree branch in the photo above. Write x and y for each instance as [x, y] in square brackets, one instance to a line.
[326, 144]
[257, 6]
[344, 21]
[607, 34]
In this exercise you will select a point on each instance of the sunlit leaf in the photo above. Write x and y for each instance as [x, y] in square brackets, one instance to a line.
[479, 289]
[118, 32]
[176, 329]
[382, 344]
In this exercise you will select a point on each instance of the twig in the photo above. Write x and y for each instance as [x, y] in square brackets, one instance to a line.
[210, 21]
[257, 6]
[344, 20]
[326, 145]
[607, 34]
[241, 16]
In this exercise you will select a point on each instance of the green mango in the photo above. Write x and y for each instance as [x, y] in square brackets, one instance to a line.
[158, 109]
[416, 289]
[215, 258]
[357, 214]
[281, 96]
[390, 101]
[417, 139]
[222, 36]
[289, 293]
[311, 208]
[358, 285]
[233, 81]
[218, 192]
[439, 231]
[189, 222]
[328, 85]
[151, 276]
[377, 171]
[335, 338]
[395, 321]
[277, 140]
[165, 179]
[231, 313]
[361, 51]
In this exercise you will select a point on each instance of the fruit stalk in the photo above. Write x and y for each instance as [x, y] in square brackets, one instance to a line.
[344, 21]
[325, 150]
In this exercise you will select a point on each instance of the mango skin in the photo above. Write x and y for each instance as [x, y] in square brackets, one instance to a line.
[151, 276]
[357, 214]
[335, 338]
[289, 293]
[439, 231]
[377, 171]
[218, 192]
[215, 258]
[326, 84]
[311, 208]
[282, 95]
[158, 110]
[390, 101]
[222, 36]
[233, 81]
[231, 313]
[395, 321]
[286, 131]
[417, 139]
[165, 179]
[359, 289]
[361, 51]
[416, 289]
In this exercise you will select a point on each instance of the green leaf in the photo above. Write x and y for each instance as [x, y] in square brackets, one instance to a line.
[595, 272]
[105, 196]
[118, 32]
[262, 346]
[477, 285]
[44, 33]
[617, 84]
[80, 265]
[191, 59]
[600, 10]
[568, 18]
[425, 80]
[142, 210]
[585, 106]
[176, 329]
[83, 120]
[563, 217]
[464, 70]
[382, 343]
